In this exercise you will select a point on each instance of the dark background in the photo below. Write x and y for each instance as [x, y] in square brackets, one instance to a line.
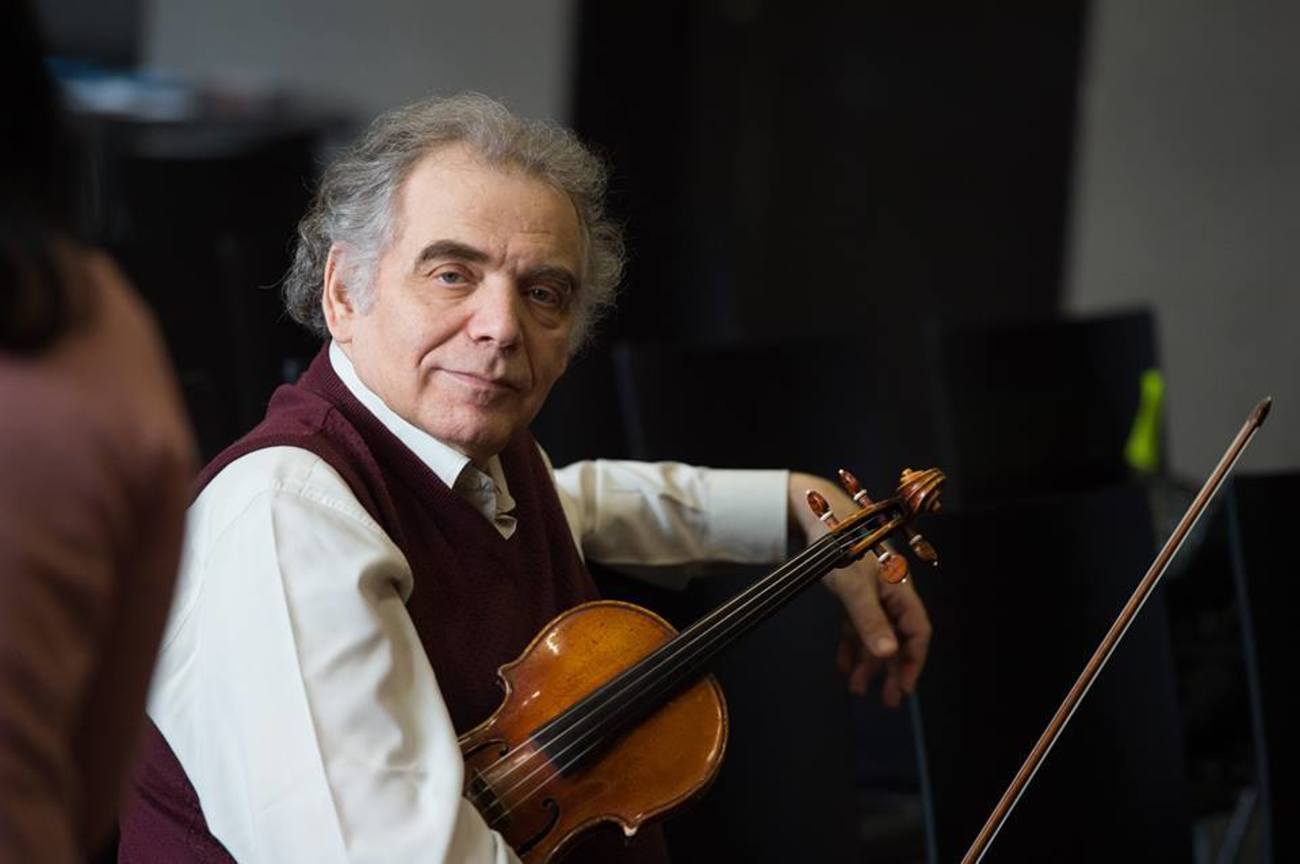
[833, 170]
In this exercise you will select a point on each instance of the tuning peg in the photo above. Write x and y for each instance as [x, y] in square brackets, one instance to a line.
[920, 546]
[893, 567]
[821, 508]
[853, 487]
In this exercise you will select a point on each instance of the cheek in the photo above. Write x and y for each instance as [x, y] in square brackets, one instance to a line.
[395, 350]
[412, 338]
[552, 357]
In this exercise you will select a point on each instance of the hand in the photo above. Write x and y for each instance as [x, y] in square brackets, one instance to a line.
[887, 625]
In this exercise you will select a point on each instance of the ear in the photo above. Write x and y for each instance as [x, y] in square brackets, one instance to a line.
[337, 302]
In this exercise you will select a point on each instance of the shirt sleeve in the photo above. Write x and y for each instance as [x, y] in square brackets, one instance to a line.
[59, 508]
[294, 688]
[667, 513]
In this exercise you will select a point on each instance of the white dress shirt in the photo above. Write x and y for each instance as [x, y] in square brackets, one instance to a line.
[292, 685]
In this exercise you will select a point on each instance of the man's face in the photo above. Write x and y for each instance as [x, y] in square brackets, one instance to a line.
[473, 302]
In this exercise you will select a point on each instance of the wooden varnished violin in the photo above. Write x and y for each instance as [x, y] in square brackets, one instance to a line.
[610, 715]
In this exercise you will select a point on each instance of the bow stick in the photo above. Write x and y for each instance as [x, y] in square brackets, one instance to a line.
[1112, 639]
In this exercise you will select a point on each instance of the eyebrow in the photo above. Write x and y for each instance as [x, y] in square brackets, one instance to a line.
[458, 251]
[450, 249]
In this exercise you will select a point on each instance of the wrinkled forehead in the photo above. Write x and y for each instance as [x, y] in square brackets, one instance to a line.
[454, 190]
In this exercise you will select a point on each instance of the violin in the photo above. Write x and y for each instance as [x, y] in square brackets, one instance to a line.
[609, 714]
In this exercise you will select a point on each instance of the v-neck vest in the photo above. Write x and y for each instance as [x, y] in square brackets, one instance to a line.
[478, 598]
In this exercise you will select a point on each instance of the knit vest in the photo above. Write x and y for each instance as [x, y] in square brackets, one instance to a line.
[477, 601]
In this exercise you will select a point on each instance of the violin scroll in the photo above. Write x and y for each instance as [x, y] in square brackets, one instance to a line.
[920, 490]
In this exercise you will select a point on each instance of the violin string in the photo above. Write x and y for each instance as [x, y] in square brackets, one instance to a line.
[658, 688]
[716, 626]
[760, 594]
[557, 758]
[709, 634]
[809, 556]
[632, 675]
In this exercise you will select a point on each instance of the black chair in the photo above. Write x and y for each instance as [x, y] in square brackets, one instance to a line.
[200, 215]
[798, 738]
[1045, 406]
[1025, 594]
[810, 405]
[1260, 510]
[582, 417]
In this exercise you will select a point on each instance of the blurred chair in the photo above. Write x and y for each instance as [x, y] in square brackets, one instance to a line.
[582, 417]
[1040, 407]
[813, 406]
[1260, 511]
[201, 215]
[1024, 595]
[792, 755]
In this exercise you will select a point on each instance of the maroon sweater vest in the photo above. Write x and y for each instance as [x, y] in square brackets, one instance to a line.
[478, 599]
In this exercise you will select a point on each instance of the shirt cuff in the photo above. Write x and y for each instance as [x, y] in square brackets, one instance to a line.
[748, 515]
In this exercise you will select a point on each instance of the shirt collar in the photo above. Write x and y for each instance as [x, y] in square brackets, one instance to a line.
[445, 461]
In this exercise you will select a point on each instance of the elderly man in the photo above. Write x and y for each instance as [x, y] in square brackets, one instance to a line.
[360, 564]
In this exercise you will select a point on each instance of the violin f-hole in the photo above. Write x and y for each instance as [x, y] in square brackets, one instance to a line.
[547, 803]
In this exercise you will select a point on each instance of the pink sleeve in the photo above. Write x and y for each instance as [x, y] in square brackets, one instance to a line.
[59, 508]
[95, 463]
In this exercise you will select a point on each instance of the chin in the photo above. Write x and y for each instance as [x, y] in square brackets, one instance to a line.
[480, 440]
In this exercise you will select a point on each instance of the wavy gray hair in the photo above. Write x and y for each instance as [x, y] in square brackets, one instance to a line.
[354, 205]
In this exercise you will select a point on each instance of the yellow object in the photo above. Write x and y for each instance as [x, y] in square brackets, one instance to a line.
[1142, 452]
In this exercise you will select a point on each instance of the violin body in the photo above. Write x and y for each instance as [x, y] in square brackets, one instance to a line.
[541, 799]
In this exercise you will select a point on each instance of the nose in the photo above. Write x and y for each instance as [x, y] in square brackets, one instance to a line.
[495, 315]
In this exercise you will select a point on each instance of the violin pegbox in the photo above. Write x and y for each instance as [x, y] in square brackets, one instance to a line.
[893, 567]
[868, 529]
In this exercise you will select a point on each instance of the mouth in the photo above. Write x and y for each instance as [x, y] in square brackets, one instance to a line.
[486, 383]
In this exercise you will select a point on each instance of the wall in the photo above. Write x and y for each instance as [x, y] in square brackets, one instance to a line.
[1188, 199]
[365, 57]
[1187, 166]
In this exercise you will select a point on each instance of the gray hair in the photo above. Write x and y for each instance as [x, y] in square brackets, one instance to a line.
[354, 206]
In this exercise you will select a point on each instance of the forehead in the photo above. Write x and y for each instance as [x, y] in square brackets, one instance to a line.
[453, 194]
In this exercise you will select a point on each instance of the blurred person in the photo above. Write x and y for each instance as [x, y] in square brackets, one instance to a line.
[360, 564]
[95, 463]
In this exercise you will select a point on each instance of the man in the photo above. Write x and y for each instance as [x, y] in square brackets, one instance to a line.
[361, 563]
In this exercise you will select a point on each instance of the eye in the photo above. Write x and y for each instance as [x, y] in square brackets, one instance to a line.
[547, 295]
[450, 277]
